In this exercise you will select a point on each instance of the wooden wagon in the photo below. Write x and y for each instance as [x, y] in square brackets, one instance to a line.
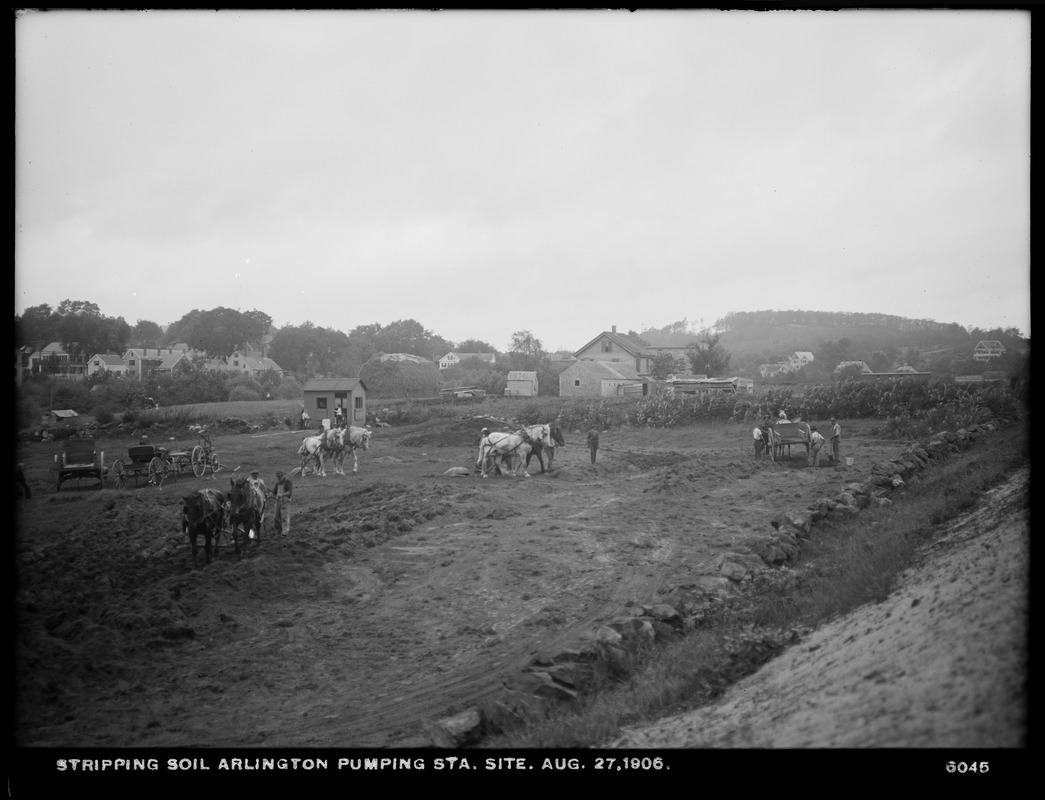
[78, 460]
[784, 434]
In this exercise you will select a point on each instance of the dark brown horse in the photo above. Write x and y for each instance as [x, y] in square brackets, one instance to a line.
[246, 510]
[540, 445]
[203, 513]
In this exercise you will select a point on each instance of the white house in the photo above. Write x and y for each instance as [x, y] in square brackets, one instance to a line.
[250, 363]
[452, 359]
[860, 364]
[772, 370]
[799, 359]
[106, 362]
[988, 349]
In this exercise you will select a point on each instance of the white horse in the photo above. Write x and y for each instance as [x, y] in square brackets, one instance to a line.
[348, 440]
[504, 447]
[313, 448]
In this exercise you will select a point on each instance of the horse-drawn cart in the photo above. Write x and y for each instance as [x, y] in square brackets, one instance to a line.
[155, 463]
[78, 460]
[784, 434]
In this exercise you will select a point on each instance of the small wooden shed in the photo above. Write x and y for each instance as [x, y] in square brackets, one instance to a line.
[521, 384]
[323, 395]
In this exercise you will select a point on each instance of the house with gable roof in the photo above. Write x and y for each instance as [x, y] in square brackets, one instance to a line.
[602, 379]
[106, 362]
[616, 349]
[988, 349]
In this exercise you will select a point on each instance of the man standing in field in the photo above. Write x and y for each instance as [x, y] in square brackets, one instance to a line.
[836, 441]
[283, 490]
[593, 444]
[816, 441]
[760, 442]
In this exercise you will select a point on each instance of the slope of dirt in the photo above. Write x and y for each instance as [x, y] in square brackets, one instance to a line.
[941, 663]
[401, 594]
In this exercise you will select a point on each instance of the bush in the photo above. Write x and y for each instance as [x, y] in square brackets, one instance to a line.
[244, 393]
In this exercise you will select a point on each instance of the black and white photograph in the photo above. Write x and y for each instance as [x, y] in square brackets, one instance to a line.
[584, 387]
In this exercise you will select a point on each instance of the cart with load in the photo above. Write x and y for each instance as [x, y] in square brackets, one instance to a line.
[78, 460]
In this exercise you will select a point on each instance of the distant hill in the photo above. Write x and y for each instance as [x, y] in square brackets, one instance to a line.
[756, 337]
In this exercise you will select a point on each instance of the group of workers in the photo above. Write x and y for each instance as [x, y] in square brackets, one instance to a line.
[817, 440]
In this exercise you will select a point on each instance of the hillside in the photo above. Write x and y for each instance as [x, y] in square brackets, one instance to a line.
[756, 337]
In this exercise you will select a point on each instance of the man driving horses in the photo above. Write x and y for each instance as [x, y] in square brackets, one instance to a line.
[284, 489]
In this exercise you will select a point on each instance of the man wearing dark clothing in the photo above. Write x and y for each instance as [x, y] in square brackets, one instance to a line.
[593, 444]
[283, 490]
[20, 481]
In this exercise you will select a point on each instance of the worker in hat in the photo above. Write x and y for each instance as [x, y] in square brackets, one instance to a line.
[284, 489]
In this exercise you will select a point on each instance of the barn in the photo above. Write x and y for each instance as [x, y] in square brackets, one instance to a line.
[323, 395]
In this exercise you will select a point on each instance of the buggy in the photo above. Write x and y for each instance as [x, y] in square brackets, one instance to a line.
[155, 463]
[79, 459]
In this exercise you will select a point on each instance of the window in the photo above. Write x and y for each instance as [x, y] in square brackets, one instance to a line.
[359, 403]
[607, 346]
[321, 403]
[577, 382]
[130, 363]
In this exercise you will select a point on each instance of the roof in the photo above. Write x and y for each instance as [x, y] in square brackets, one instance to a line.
[603, 370]
[400, 357]
[108, 358]
[65, 413]
[803, 354]
[521, 375]
[623, 342]
[332, 384]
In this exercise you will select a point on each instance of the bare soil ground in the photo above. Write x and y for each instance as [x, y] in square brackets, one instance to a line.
[401, 594]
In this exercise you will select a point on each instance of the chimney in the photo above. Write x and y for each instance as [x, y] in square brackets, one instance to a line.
[613, 328]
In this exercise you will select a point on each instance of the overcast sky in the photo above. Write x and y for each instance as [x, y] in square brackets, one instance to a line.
[557, 172]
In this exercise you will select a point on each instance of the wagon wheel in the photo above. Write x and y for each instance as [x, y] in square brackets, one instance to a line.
[119, 476]
[199, 461]
[156, 471]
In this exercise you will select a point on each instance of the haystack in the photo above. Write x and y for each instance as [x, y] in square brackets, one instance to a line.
[393, 375]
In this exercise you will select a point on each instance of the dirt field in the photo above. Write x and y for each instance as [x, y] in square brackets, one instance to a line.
[400, 595]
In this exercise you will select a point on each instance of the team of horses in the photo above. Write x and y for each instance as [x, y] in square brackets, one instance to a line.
[239, 512]
[335, 444]
[507, 449]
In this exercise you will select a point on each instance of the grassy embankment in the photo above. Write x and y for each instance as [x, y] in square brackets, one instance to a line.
[845, 565]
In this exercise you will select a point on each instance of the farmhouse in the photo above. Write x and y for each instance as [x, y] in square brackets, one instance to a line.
[142, 361]
[799, 359]
[64, 364]
[252, 363]
[988, 349]
[452, 359]
[521, 384]
[106, 362]
[601, 379]
[611, 347]
[323, 395]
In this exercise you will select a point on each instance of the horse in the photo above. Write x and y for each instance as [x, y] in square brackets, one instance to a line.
[313, 448]
[246, 509]
[348, 440]
[503, 447]
[203, 512]
[544, 433]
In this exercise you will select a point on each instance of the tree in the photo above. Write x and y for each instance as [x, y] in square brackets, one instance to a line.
[474, 346]
[526, 349]
[220, 331]
[708, 357]
[665, 364]
[84, 331]
[146, 333]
